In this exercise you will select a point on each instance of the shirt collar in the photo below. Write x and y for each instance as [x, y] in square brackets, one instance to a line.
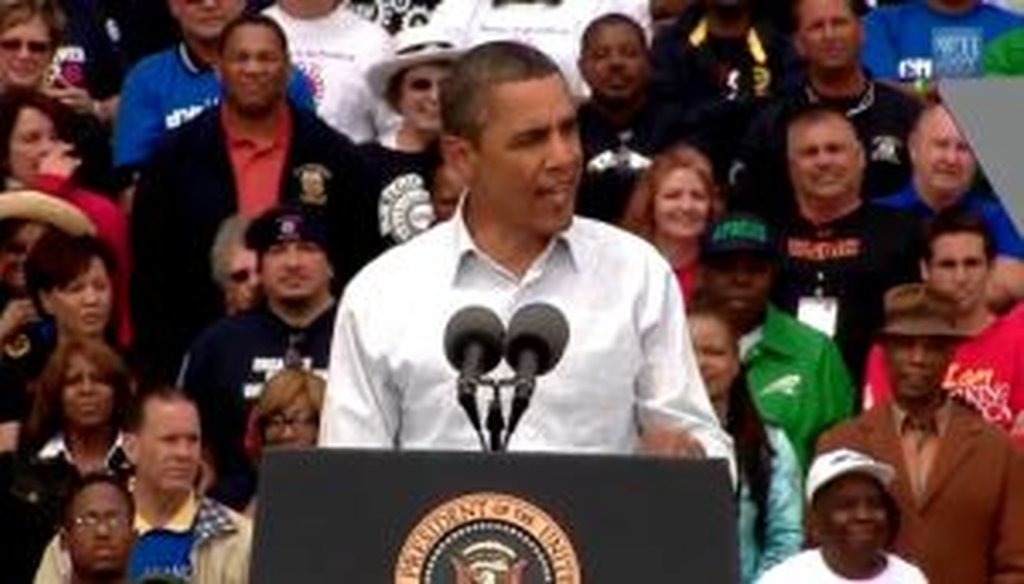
[181, 522]
[56, 447]
[563, 247]
[863, 102]
[282, 130]
[942, 415]
[190, 61]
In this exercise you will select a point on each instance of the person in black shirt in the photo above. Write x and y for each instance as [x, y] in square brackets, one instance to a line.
[719, 64]
[829, 37]
[840, 255]
[230, 361]
[622, 126]
[402, 164]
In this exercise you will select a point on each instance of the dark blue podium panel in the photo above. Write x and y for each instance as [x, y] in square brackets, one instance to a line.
[368, 517]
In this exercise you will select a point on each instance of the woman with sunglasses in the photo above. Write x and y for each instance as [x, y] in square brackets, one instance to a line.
[407, 160]
[31, 32]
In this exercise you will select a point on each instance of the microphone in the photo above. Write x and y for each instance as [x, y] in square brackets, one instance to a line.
[473, 344]
[537, 335]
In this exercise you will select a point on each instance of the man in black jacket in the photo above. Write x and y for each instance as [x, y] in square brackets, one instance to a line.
[251, 153]
[228, 365]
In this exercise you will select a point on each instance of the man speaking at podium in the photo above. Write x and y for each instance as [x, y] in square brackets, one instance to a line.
[627, 381]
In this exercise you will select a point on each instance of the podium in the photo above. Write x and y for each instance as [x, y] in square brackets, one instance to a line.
[381, 517]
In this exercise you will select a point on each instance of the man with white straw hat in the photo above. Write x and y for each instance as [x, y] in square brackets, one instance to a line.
[335, 47]
[405, 161]
[958, 480]
[854, 519]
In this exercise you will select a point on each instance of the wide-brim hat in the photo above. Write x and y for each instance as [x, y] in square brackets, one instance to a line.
[43, 208]
[414, 46]
[832, 465]
[914, 310]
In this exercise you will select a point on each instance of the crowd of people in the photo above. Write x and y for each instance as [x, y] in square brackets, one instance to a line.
[229, 226]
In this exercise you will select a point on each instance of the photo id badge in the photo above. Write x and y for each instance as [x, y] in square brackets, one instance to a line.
[819, 312]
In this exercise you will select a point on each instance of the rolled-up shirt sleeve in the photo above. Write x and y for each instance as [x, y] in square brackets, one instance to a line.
[670, 392]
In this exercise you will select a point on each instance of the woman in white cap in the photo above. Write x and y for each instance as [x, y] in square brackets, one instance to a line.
[854, 519]
[406, 160]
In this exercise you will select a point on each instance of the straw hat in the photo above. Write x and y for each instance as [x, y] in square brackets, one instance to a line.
[43, 208]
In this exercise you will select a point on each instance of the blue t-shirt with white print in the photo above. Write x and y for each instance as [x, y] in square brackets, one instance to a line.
[167, 89]
[912, 41]
[162, 554]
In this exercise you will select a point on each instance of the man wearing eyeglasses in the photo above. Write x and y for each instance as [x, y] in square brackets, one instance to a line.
[231, 361]
[97, 530]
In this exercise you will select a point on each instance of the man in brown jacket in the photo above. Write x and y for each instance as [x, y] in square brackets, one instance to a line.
[959, 481]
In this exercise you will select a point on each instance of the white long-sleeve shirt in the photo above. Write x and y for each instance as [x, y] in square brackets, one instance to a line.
[628, 364]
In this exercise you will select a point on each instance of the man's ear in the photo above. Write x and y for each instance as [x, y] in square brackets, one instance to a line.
[130, 446]
[460, 155]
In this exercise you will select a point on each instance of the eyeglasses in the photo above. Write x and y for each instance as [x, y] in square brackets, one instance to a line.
[240, 276]
[279, 422]
[92, 522]
[17, 45]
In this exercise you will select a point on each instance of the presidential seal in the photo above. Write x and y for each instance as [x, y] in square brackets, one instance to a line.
[487, 538]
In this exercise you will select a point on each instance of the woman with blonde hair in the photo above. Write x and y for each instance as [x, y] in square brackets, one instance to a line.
[673, 203]
[287, 414]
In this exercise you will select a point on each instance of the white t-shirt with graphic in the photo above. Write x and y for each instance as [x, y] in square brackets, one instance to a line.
[809, 567]
[335, 52]
[556, 30]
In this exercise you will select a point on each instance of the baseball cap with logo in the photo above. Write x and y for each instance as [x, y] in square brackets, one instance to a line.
[834, 464]
[739, 233]
[285, 224]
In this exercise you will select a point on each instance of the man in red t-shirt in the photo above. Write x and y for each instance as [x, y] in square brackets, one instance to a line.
[987, 370]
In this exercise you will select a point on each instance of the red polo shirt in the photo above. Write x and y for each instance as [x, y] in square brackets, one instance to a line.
[257, 164]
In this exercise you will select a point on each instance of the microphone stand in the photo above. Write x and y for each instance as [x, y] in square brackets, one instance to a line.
[495, 419]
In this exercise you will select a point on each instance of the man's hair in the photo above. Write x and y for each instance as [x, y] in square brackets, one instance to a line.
[465, 93]
[611, 19]
[953, 221]
[857, 8]
[79, 485]
[136, 416]
[230, 235]
[814, 113]
[251, 19]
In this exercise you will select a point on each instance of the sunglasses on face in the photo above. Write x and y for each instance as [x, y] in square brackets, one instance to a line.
[423, 84]
[17, 45]
[240, 276]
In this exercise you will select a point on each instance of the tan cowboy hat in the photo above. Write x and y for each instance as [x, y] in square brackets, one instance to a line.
[414, 46]
[914, 310]
[43, 208]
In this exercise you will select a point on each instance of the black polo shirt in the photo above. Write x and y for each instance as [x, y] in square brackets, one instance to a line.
[855, 260]
[883, 118]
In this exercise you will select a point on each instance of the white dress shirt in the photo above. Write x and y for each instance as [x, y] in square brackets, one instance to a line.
[628, 363]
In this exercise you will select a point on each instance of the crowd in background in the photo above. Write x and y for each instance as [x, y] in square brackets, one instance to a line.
[190, 185]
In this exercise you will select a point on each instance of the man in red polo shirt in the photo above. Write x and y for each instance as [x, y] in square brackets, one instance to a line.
[256, 150]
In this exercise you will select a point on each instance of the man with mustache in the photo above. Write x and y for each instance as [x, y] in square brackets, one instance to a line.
[839, 254]
[229, 363]
[945, 177]
[622, 125]
[957, 478]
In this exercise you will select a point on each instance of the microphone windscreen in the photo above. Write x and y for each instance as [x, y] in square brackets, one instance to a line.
[474, 325]
[540, 328]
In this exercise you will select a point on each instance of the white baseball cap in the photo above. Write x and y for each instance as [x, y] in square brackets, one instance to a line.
[831, 465]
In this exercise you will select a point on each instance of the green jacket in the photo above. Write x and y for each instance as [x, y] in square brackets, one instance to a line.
[799, 381]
